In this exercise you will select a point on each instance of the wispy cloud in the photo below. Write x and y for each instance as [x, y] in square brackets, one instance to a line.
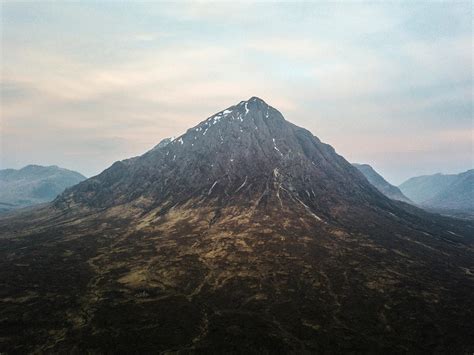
[365, 78]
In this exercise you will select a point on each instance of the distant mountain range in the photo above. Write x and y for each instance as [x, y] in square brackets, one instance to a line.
[449, 194]
[245, 235]
[381, 184]
[34, 184]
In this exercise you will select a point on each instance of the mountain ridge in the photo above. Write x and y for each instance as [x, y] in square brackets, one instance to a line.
[34, 184]
[381, 184]
[451, 194]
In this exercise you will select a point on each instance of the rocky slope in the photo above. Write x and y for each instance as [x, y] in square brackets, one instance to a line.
[381, 184]
[34, 184]
[244, 235]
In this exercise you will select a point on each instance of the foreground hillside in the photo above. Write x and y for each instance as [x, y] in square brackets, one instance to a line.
[247, 234]
[34, 184]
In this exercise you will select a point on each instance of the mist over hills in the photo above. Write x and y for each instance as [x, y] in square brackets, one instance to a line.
[246, 234]
[34, 184]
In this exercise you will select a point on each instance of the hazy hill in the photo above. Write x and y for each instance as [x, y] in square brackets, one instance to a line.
[34, 184]
[381, 184]
[452, 194]
[246, 234]
[422, 188]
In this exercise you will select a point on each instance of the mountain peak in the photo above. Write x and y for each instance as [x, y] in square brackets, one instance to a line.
[249, 144]
[254, 108]
[255, 99]
[255, 103]
[253, 115]
[233, 130]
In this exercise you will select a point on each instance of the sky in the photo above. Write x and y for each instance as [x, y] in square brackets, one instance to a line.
[84, 84]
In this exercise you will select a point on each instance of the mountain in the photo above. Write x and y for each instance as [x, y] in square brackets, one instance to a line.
[449, 194]
[381, 184]
[34, 184]
[422, 188]
[458, 195]
[246, 234]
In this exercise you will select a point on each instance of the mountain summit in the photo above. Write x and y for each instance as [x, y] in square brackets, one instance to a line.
[246, 154]
[246, 234]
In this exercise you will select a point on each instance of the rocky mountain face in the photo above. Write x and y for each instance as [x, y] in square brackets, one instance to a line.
[246, 234]
[448, 194]
[34, 184]
[381, 184]
[246, 151]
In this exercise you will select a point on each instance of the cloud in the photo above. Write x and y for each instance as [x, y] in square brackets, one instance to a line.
[130, 75]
